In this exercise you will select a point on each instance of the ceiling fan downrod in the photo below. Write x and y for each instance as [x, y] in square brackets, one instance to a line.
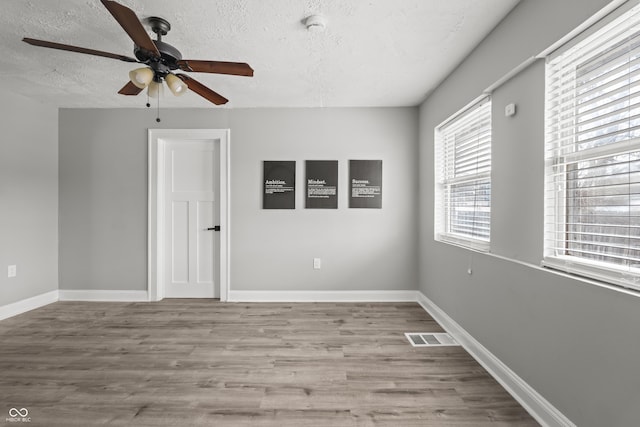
[159, 26]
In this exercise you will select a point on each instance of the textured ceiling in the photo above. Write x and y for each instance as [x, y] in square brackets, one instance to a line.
[372, 53]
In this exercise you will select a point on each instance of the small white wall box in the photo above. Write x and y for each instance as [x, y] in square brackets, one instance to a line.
[510, 110]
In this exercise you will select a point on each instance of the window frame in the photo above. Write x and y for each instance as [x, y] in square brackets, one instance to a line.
[565, 125]
[477, 111]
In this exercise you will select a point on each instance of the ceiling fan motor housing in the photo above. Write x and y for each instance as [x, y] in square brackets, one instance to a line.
[169, 55]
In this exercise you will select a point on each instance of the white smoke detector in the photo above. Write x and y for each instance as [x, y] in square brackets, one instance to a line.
[315, 23]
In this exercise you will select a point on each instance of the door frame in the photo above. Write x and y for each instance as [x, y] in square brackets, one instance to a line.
[157, 139]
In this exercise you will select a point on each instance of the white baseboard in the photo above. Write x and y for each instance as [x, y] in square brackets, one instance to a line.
[322, 296]
[102, 295]
[539, 408]
[28, 304]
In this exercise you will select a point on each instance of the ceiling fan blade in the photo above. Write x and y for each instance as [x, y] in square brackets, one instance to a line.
[132, 25]
[59, 46]
[130, 89]
[216, 67]
[202, 90]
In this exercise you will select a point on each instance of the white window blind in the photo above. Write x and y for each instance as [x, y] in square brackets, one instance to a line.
[592, 187]
[463, 177]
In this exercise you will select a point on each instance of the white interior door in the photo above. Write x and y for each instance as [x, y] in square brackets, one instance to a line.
[191, 214]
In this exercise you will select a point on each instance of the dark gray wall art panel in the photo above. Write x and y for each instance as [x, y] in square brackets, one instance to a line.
[365, 184]
[279, 184]
[321, 184]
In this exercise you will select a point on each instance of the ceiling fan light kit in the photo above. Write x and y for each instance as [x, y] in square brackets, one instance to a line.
[141, 77]
[177, 86]
[155, 89]
[160, 59]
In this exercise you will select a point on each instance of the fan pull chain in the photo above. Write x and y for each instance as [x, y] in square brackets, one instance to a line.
[158, 115]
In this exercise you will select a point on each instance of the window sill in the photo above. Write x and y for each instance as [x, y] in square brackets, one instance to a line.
[621, 278]
[474, 245]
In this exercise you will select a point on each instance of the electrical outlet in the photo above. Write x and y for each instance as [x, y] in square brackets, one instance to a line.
[12, 271]
[317, 263]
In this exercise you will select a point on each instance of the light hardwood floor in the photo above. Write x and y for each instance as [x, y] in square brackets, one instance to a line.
[206, 363]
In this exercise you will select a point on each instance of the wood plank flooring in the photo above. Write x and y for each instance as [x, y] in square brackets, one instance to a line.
[206, 363]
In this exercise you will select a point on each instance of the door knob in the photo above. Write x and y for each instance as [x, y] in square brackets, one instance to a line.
[216, 228]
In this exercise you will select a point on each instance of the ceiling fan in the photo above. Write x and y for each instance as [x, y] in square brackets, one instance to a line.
[161, 59]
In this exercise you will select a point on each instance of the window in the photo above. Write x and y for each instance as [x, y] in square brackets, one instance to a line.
[592, 187]
[463, 177]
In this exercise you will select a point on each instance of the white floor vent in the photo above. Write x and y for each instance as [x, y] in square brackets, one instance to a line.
[430, 339]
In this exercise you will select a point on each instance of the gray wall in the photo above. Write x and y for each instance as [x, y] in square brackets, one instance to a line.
[28, 198]
[103, 198]
[574, 342]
